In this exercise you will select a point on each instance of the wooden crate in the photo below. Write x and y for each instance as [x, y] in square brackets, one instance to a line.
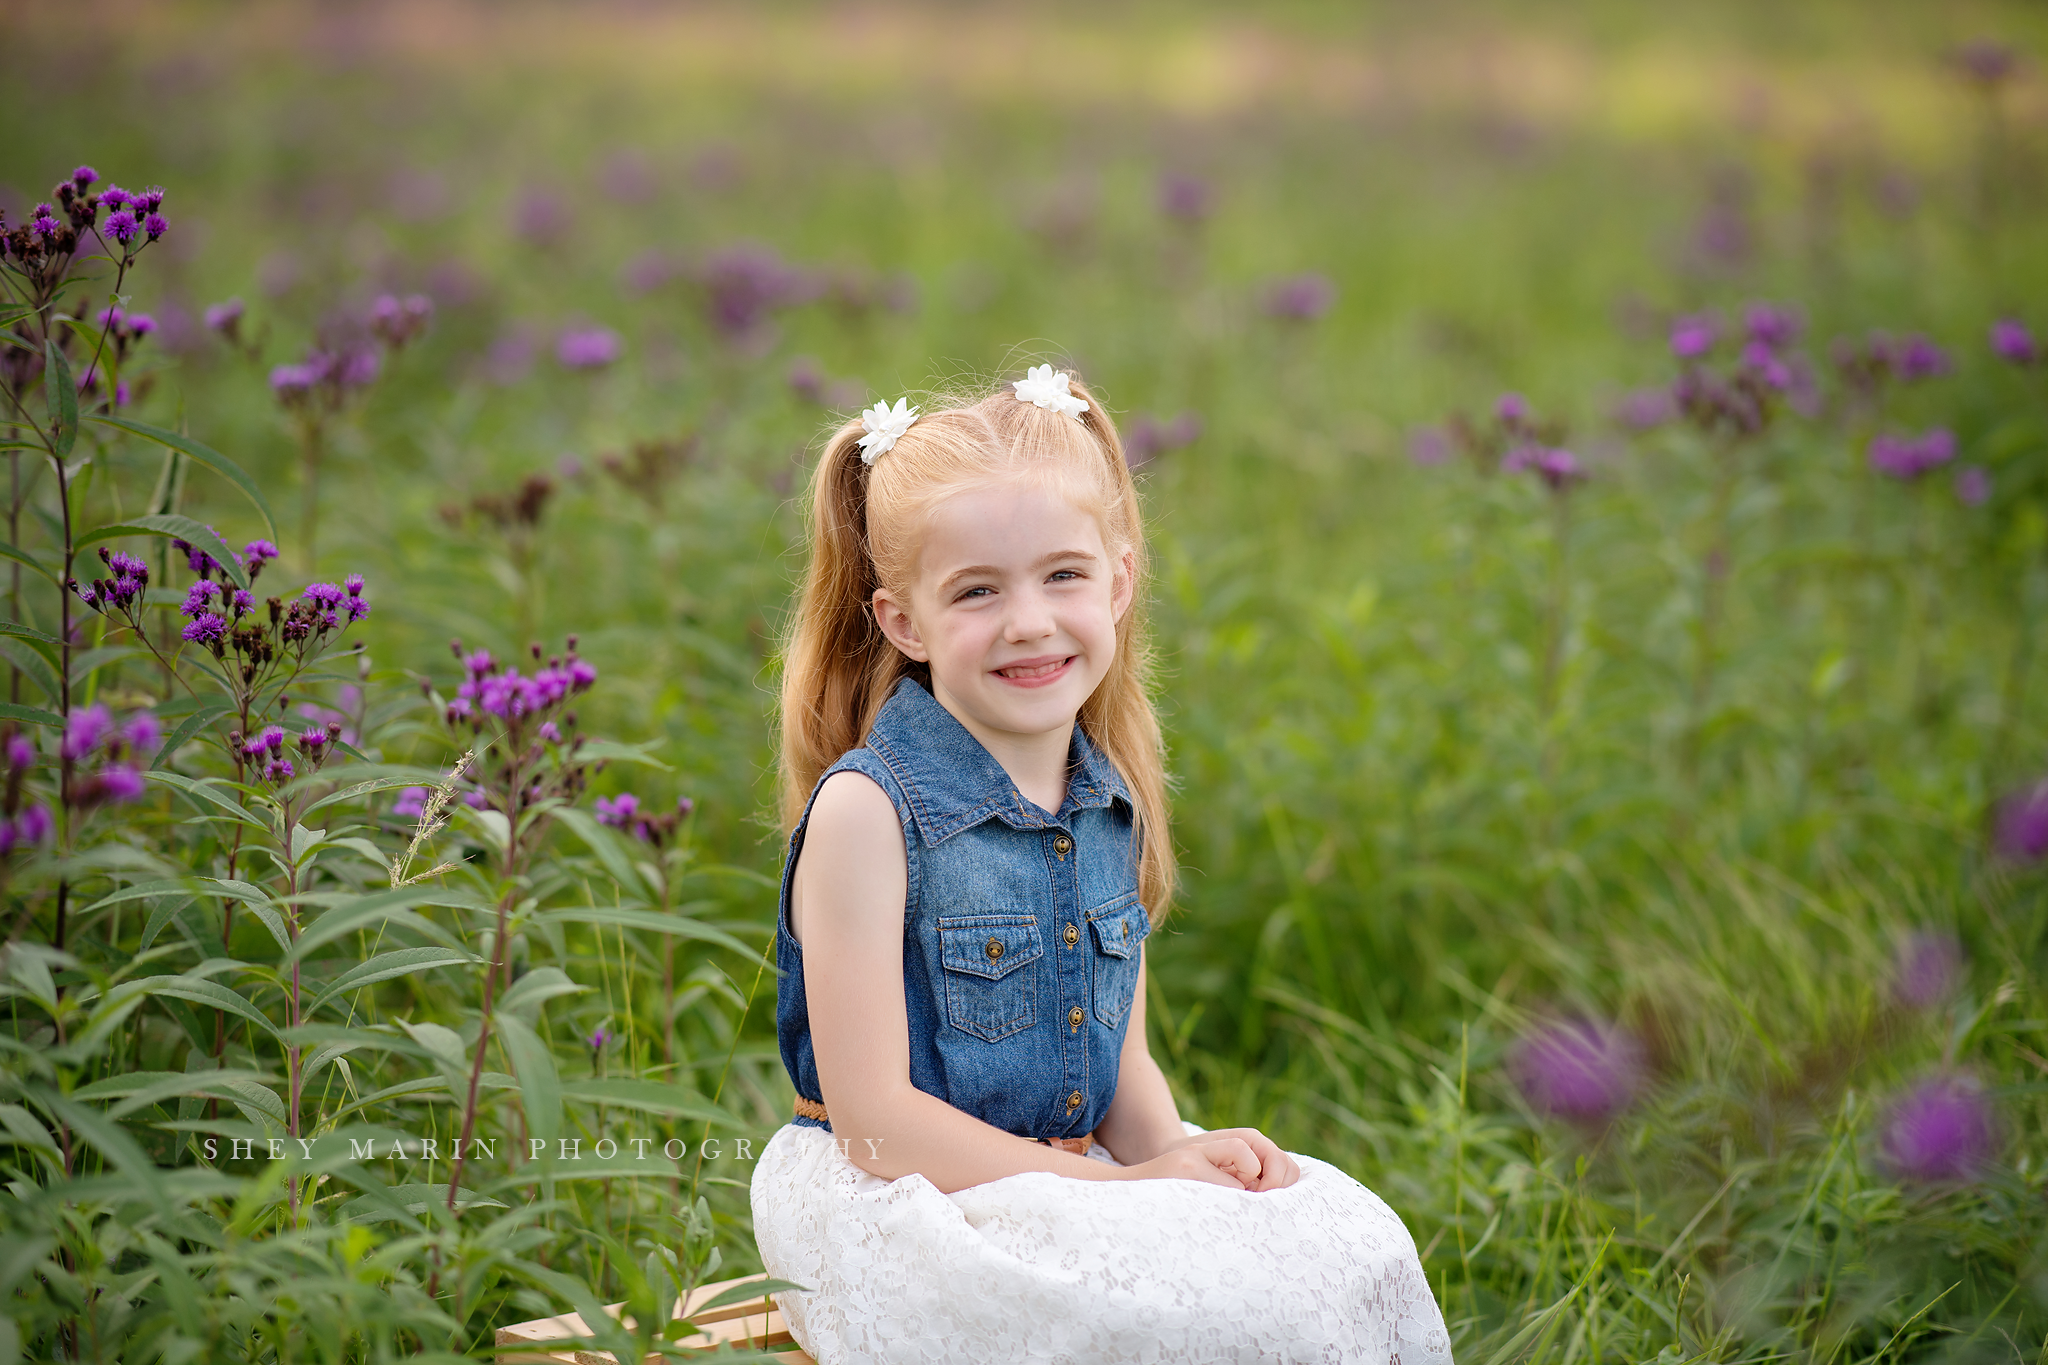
[750, 1322]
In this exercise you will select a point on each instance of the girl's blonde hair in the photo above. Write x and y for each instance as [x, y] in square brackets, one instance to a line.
[865, 527]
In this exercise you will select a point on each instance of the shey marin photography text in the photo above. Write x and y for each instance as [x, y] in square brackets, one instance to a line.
[396, 1147]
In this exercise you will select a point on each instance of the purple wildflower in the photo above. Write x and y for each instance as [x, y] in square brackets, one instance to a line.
[140, 324]
[291, 382]
[142, 732]
[1693, 336]
[1149, 437]
[2022, 834]
[1986, 61]
[1973, 485]
[476, 799]
[1928, 968]
[1581, 1070]
[121, 226]
[2011, 340]
[1645, 409]
[120, 783]
[588, 348]
[198, 597]
[619, 812]
[411, 803]
[581, 674]
[1940, 1130]
[279, 770]
[84, 176]
[1916, 357]
[1771, 326]
[1429, 446]
[1909, 457]
[684, 805]
[1512, 410]
[206, 629]
[551, 732]
[743, 284]
[34, 824]
[83, 732]
[541, 216]
[21, 752]
[1558, 469]
[326, 594]
[397, 321]
[1185, 198]
[46, 225]
[259, 552]
[1300, 298]
[155, 226]
[599, 1039]
[224, 317]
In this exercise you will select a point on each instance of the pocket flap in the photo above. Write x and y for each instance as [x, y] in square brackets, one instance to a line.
[1120, 925]
[988, 945]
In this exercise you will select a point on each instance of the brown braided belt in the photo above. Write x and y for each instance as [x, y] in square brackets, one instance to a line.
[811, 1109]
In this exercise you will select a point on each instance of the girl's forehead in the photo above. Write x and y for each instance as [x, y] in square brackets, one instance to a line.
[1007, 524]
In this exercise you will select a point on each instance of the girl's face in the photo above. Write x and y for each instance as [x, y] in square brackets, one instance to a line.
[1015, 607]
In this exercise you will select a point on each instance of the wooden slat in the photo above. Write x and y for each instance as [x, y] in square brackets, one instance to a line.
[750, 1322]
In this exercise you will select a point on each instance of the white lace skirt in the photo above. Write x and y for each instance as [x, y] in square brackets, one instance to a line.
[1040, 1267]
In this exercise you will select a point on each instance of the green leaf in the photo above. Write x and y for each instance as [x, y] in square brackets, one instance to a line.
[161, 914]
[385, 966]
[360, 912]
[375, 784]
[542, 983]
[203, 790]
[605, 845]
[30, 715]
[184, 528]
[388, 1205]
[209, 710]
[85, 663]
[202, 992]
[540, 1090]
[29, 633]
[200, 454]
[651, 920]
[613, 751]
[24, 557]
[37, 662]
[60, 394]
[753, 1287]
[649, 1097]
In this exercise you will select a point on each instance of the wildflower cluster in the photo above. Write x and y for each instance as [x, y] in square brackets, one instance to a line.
[539, 756]
[2011, 341]
[1908, 457]
[1870, 364]
[98, 758]
[1740, 396]
[1515, 441]
[24, 823]
[398, 322]
[1300, 298]
[623, 812]
[264, 751]
[43, 247]
[1149, 437]
[123, 332]
[325, 379]
[1584, 1070]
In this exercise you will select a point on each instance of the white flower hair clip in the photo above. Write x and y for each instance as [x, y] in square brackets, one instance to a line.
[885, 427]
[1040, 385]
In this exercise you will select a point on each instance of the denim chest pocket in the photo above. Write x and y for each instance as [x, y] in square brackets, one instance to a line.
[991, 985]
[1119, 926]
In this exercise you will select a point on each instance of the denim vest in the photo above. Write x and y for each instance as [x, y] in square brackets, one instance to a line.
[1021, 930]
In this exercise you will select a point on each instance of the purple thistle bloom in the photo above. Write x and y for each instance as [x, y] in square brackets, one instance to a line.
[1986, 61]
[1519, 459]
[476, 799]
[1429, 446]
[1559, 468]
[581, 674]
[588, 348]
[141, 324]
[326, 594]
[198, 597]
[480, 663]
[21, 752]
[1185, 198]
[1581, 1070]
[2023, 825]
[121, 226]
[684, 805]
[119, 784]
[110, 317]
[1973, 485]
[354, 584]
[84, 176]
[142, 732]
[1940, 1130]
[1761, 361]
[243, 602]
[83, 732]
[155, 226]
[279, 770]
[1693, 336]
[1646, 409]
[2011, 340]
[355, 369]
[1909, 457]
[225, 317]
[150, 200]
[411, 803]
[34, 824]
[1300, 298]
[1771, 326]
[114, 197]
[46, 225]
[206, 629]
[1928, 968]
[743, 284]
[1512, 409]
[1916, 357]
[620, 812]
[599, 1039]
[290, 382]
[551, 732]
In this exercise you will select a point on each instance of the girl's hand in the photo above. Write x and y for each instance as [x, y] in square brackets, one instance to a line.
[1242, 1158]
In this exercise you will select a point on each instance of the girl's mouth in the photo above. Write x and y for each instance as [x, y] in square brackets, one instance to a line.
[1035, 672]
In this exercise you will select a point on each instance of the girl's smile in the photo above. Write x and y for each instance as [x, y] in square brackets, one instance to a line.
[1041, 672]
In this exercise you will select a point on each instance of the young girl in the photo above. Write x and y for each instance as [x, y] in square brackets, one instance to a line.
[985, 1163]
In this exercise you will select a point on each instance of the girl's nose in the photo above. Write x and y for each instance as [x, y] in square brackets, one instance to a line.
[1030, 618]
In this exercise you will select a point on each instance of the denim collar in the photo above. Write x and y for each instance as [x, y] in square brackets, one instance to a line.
[953, 783]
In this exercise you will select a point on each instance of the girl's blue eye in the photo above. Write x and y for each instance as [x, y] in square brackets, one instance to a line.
[1064, 573]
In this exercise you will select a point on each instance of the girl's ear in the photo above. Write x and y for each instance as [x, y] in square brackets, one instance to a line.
[1124, 590]
[896, 624]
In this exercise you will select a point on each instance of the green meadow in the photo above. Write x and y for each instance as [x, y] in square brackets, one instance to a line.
[1630, 866]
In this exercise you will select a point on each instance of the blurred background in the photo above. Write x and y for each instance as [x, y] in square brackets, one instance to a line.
[1598, 461]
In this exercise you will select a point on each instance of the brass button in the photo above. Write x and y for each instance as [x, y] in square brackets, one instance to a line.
[1062, 845]
[1073, 1101]
[995, 949]
[1072, 936]
[1127, 928]
[1074, 1020]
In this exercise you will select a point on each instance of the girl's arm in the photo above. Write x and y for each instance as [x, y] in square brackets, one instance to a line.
[1143, 1123]
[847, 911]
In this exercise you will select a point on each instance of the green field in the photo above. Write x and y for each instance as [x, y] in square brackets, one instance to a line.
[1722, 752]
